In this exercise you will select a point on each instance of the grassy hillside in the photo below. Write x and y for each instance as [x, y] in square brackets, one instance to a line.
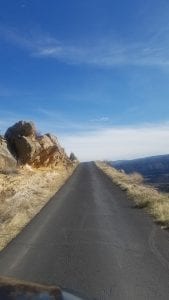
[23, 194]
[155, 170]
[144, 196]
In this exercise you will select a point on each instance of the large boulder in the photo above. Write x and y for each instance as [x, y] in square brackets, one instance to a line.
[19, 137]
[26, 149]
[31, 148]
[21, 128]
[7, 161]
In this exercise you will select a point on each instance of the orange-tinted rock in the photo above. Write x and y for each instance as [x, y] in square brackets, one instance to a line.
[37, 150]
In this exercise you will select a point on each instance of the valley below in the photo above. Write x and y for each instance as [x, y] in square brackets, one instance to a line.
[155, 170]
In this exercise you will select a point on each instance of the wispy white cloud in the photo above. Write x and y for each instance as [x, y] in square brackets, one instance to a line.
[98, 140]
[8, 91]
[61, 122]
[53, 121]
[109, 55]
[106, 52]
[119, 143]
[100, 119]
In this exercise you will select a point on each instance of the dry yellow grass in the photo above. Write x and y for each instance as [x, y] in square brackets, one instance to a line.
[156, 203]
[23, 194]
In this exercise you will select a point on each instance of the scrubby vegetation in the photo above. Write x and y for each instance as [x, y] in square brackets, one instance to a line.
[155, 169]
[23, 194]
[145, 196]
[32, 169]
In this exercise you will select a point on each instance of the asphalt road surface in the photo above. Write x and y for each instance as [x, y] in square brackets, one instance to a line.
[91, 239]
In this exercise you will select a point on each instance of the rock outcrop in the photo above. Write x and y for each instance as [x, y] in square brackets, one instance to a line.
[73, 157]
[29, 147]
[7, 161]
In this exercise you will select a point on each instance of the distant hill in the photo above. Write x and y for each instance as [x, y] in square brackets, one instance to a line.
[155, 169]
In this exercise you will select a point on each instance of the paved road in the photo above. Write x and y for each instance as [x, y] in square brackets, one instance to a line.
[90, 238]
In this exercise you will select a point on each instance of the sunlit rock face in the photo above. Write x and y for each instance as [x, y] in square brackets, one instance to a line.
[30, 147]
[7, 161]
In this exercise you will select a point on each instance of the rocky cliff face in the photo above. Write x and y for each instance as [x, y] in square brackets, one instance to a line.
[24, 145]
[6, 159]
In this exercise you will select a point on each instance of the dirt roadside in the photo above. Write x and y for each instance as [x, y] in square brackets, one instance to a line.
[23, 194]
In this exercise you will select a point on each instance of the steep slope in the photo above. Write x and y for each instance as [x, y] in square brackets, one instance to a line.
[33, 167]
[155, 169]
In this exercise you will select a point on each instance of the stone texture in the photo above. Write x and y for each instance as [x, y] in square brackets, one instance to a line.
[7, 161]
[34, 149]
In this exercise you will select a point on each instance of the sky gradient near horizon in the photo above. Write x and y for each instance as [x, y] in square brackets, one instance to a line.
[93, 72]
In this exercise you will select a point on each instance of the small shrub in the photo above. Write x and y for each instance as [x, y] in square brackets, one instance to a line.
[156, 203]
[73, 157]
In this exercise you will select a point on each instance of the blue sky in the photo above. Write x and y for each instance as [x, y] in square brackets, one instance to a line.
[94, 72]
